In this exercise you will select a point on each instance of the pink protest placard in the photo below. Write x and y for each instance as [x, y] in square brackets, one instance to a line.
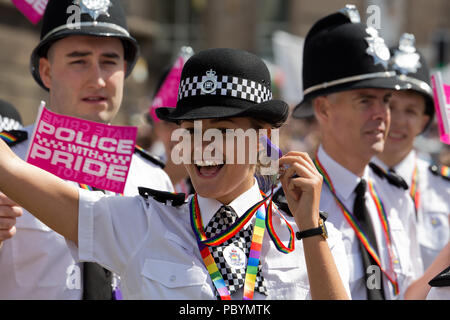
[83, 151]
[167, 95]
[442, 104]
[32, 9]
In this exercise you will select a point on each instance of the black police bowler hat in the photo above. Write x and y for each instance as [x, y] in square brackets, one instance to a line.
[225, 83]
[9, 116]
[340, 54]
[412, 71]
[100, 18]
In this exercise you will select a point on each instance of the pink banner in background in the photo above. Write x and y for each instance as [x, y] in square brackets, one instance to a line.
[442, 105]
[447, 93]
[83, 151]
[32, 9]
[168, 93]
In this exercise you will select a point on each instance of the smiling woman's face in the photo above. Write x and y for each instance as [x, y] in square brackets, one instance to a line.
[223, 182]
[408, 121]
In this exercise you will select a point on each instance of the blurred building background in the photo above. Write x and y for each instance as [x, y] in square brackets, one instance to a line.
[163, 26]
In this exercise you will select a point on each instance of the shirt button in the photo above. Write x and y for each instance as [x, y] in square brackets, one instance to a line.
[172, 278]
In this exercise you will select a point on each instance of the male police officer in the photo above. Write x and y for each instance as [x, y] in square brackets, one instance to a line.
[412, 111]
[347, 86]
[83, 66]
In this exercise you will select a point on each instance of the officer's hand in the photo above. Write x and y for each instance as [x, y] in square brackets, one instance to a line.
[9, 211]
[302, 185]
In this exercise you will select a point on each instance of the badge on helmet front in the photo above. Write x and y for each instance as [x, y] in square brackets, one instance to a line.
[406, 58]
[94, 8]
[377, 47]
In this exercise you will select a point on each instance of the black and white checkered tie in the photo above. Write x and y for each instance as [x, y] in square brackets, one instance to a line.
[234, 277]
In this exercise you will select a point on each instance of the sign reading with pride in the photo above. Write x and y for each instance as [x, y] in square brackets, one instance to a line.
[83, 151]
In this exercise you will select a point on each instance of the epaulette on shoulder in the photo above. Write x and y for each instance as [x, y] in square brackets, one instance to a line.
[442, 279]
[391, 177]
[144, 154]
[168, 198]
[13, 137]
[442, 171]
[279, 198]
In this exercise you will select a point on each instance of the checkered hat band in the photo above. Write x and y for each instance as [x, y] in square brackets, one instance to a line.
[225, 86]
[7, 124]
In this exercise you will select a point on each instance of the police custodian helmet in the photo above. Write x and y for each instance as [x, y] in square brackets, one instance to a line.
[225, 83]
[101, 18]
[412, 71]
[340, 54]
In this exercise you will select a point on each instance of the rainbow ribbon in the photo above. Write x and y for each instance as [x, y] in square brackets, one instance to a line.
[357, 229]
[261, 223]
[254, 255]
[445, 171]
[87, 187]
[7, 137]
[414, 189]
[197, 225]
[273, 235]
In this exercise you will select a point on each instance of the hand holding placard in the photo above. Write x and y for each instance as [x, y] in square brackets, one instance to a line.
[83, 151]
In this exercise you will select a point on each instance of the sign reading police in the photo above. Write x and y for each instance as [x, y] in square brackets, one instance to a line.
[83, 151]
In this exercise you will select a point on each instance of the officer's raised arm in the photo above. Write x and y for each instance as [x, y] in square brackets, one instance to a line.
[46, 196]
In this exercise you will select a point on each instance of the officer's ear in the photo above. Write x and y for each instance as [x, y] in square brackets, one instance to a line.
[44, 71]
[321, 106]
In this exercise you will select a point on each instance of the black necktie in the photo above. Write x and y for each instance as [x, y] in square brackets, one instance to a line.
[362, 215]
[234, 274]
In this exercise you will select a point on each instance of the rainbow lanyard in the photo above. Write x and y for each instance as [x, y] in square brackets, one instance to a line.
[255, 249]
[445, 171]
[357, 228]
[87, 187]
[8, 138]
[414, 190]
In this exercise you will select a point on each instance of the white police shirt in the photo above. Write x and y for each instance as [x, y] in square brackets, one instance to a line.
[442, 293]
[407, 262]
[434, 206]
[152, 247]
[37, 263]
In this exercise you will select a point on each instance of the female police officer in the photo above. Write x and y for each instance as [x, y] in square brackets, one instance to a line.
[212, 245]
